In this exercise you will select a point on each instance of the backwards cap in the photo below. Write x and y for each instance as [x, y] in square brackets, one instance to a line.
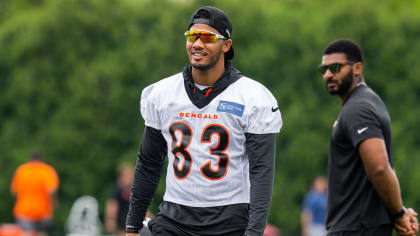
[217, 19]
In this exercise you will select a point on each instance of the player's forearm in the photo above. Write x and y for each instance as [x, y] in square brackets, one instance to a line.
[261, 153]
[146, 176]
[142, 193]
[375, 159]
[386, 184]
[261, 191]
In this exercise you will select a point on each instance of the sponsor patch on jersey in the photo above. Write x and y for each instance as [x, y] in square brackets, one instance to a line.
[231, 107]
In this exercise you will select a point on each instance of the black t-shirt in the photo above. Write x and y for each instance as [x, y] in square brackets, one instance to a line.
[353, 203]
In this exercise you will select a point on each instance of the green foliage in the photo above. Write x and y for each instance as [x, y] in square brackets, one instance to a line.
[71, 73]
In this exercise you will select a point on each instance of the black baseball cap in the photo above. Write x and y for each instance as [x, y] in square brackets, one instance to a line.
[217, 19]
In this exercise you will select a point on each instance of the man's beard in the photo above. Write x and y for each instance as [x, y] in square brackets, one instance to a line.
[213, 61]
[345, 85]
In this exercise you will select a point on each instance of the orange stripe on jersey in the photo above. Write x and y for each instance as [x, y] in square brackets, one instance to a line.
[208, 91]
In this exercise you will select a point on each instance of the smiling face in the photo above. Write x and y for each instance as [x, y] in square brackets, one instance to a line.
[204, 56]
[339, 82]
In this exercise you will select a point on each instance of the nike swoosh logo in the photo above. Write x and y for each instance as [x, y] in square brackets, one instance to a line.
[274, 109]
[359, 131]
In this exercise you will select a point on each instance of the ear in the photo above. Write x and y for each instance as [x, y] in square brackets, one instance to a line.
[358, 69]
[226, 45]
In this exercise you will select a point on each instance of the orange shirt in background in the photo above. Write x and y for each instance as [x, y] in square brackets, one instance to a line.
[34, 184]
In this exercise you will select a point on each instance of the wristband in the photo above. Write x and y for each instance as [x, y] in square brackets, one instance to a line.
[399, 214]
[132, 229]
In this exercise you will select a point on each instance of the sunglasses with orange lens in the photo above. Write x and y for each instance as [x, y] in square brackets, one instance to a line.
[205, 36]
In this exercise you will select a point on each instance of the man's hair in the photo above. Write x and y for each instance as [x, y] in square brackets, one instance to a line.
[350, 48]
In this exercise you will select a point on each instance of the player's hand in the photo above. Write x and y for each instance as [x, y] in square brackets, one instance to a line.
[407, 224]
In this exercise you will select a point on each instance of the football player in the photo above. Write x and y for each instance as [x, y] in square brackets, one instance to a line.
[217, 128]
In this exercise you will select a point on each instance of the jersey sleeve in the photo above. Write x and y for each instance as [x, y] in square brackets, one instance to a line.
[264, 115]
[149, 108]
[362, 123]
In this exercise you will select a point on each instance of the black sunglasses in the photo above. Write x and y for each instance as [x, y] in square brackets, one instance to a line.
[334, 67]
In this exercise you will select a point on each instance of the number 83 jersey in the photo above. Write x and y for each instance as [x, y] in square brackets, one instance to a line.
[207, 158]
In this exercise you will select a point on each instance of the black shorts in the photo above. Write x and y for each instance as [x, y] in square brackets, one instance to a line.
[36, 225]
[382, 230]
[163, 226]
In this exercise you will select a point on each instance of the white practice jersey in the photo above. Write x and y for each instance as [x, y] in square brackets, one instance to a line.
[207, 160]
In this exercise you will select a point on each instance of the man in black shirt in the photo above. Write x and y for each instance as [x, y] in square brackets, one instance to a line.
[363, 190]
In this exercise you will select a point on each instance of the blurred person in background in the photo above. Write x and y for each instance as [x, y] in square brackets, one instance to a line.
[364, 196]
[314, 208]
[116, 208]
[34, 183]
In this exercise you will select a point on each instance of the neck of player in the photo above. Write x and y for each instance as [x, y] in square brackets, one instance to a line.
[209, 76]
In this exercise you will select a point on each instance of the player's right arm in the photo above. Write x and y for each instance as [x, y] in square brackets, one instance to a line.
[264, 121]
[149, 165]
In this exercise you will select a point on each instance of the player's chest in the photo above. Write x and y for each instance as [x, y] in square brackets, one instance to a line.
[222, 114]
